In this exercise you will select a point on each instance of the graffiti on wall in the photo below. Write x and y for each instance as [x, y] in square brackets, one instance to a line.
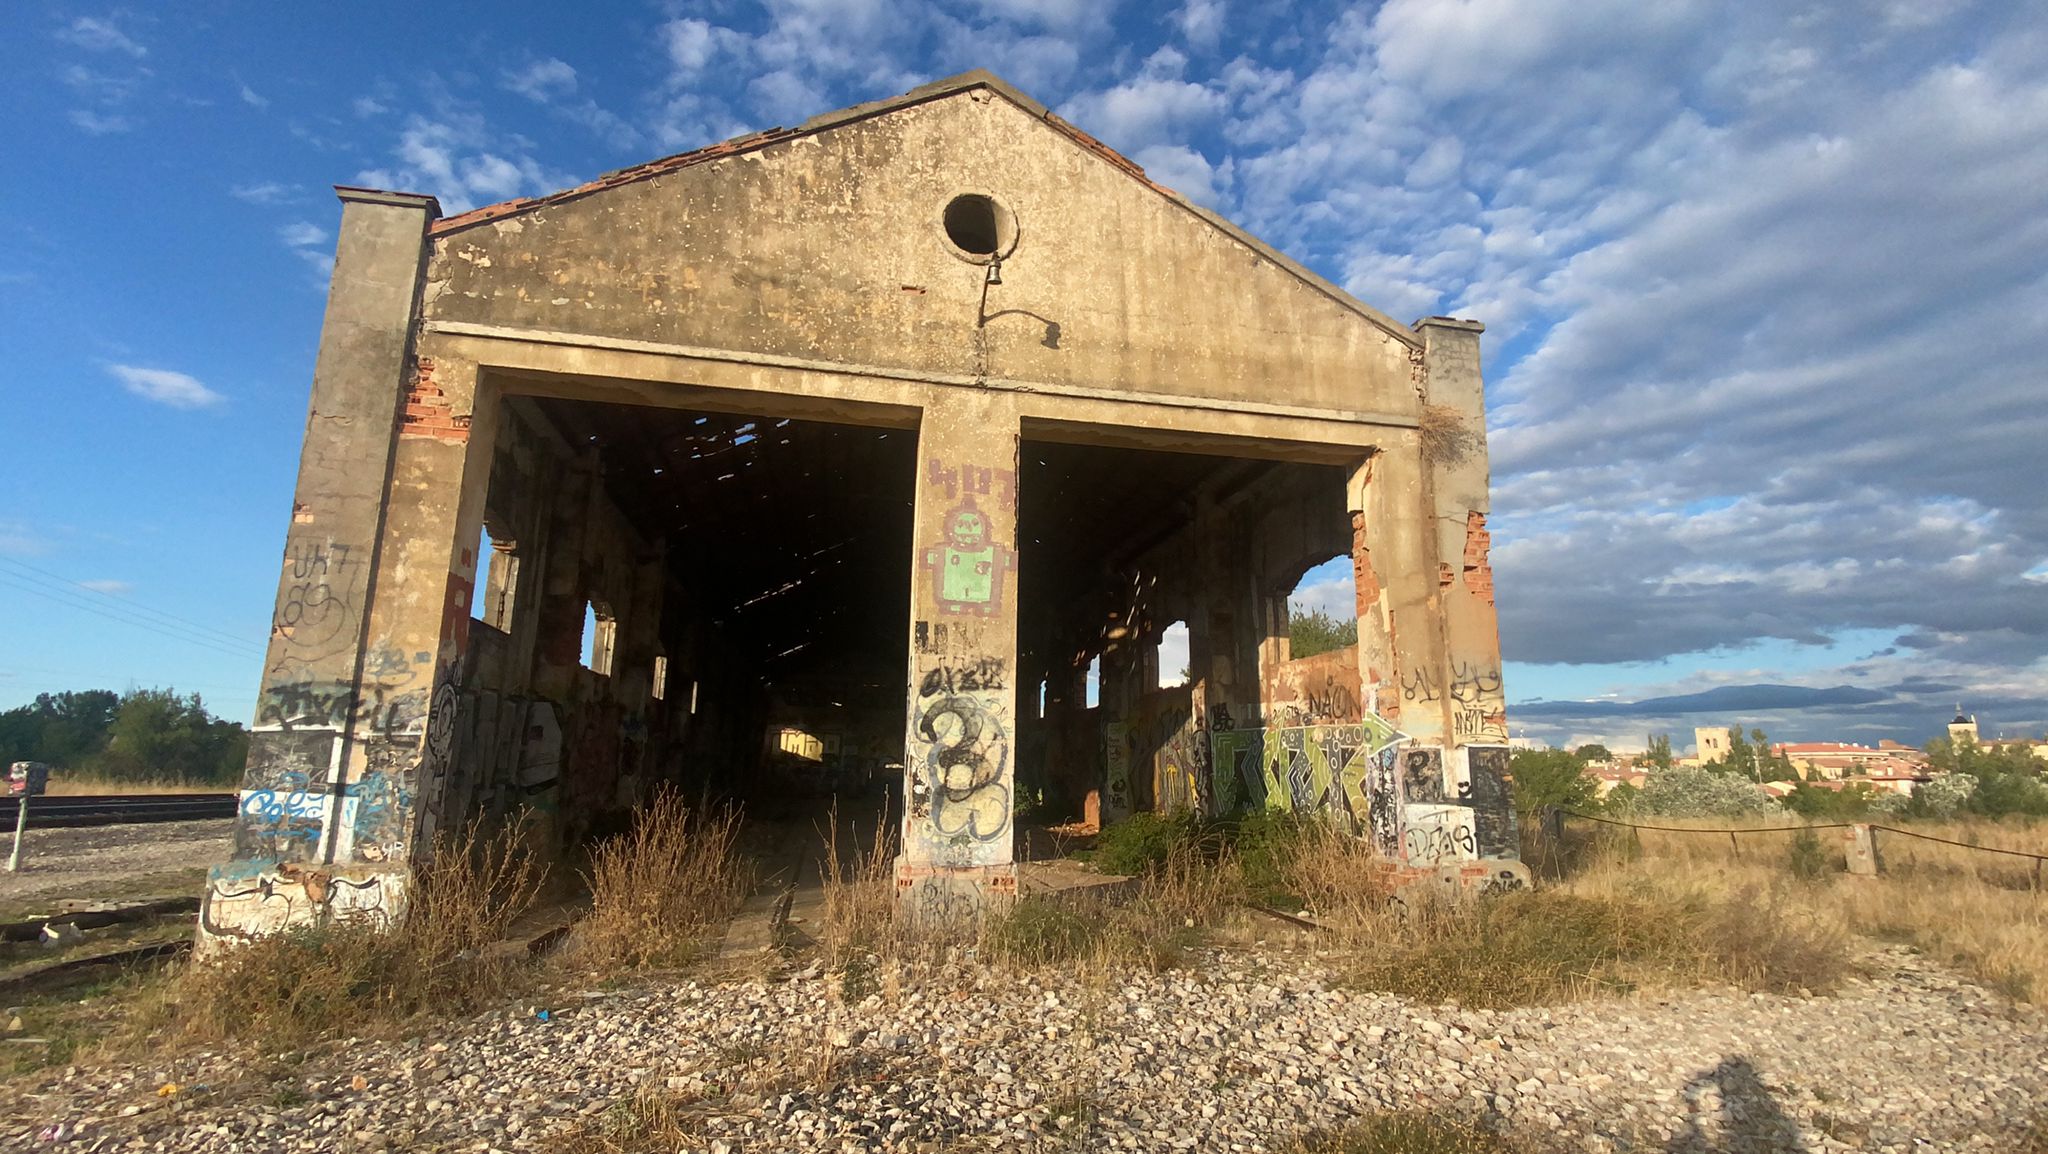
[968, 566]
[1422, 776]
[1493, 811]
[243, 903]
[960, 768]
[1478, 711]
[958, 756]
[316, 606]
[1434, 834]
[1382, 803]
[282, 821]
[1420, 804]
[1116, 763]
[1319, 690]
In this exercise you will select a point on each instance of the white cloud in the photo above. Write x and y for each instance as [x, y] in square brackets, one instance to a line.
[1146, 110]
[366, 107]
[301, 233]
[1187, 172]
[1201, 22]
[101, 36]
[543, 80]
[252, 98]
[310, 243]
[166, 387]
[100, 124]
[1335, 596]
[108, 586]
[18, 539]
[264, 192]
[454, 159]
[1173, 655]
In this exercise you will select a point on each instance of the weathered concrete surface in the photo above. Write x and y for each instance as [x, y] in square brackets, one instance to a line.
[309, 787]
[960, 739]
[1019, 452]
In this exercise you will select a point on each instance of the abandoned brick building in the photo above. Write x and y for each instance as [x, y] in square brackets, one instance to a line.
[861, 444]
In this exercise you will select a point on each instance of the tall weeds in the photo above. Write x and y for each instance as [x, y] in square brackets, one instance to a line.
[657, 890]
[359, 976]
[860, 896]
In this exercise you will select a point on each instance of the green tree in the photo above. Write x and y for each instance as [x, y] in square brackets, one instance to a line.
[157, 735]
[1311, 633]
[1684, 791]
[2007, 778]
[64, 729]
[1850, 803]
[1658, 753]
[1751, 757]
[1593, 752]
[1549, 777]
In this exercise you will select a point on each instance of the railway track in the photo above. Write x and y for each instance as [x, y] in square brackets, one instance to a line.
[124, 809]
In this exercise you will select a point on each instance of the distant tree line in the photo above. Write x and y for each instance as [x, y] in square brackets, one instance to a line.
[1967, 779]
[142, 736]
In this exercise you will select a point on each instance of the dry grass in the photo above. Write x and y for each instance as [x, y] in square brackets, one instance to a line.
[1406, 1132]
[68, 785]
[658, 890]
[860, 898]
[293, 988]
[1973, 910]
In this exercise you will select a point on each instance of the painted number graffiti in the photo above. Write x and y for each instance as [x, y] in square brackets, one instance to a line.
[965, 759]
[314, 608]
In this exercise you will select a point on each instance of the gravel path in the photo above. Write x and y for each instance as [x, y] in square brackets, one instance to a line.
[1234, 1054]
[74, 862]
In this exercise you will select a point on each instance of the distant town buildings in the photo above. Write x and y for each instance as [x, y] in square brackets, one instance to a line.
[1711, 745]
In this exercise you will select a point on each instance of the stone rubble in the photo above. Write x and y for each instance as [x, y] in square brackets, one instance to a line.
[1238, 1052]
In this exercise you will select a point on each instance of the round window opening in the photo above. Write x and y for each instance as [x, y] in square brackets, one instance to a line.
[976, 225]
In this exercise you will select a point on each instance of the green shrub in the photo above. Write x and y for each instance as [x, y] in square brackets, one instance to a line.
[1141, 842]
[1809, 862]
[1036, 932]
[1267, 845]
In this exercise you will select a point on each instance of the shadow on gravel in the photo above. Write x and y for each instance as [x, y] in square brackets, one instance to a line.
[1729, 1110]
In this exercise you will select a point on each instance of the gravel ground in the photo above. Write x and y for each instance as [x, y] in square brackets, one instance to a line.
[79, 862]
[1235, 1053]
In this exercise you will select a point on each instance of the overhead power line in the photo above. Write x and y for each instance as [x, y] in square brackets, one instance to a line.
[219, 643]
[127, 604]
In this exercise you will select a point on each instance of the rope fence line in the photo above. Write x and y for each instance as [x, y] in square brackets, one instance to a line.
[1731, 833]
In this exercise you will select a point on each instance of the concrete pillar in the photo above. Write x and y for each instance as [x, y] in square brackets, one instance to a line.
[1400, 645]
[308, 822]
[1429, 648]
[427, 573]
[1117, 706]
[1454, 453]
[1859, 847]
[960, 740]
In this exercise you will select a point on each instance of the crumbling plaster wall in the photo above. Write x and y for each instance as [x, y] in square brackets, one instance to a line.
[830, 248]
[814, 269]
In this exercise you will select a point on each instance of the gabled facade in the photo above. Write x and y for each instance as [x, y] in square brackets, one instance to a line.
[849, 451]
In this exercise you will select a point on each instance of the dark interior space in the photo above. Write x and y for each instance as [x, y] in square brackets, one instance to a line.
[1106, 539]
[749, 579]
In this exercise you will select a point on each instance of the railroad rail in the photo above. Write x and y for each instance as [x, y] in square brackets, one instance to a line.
[48, 812]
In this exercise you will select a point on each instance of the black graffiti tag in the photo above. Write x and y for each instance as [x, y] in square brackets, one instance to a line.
[966, 761]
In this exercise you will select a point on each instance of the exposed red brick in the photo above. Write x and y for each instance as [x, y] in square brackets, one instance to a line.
[427, 411]
[1379, 666]
[1478, 556]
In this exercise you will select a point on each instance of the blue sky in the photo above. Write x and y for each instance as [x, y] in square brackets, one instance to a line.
[1767, 289]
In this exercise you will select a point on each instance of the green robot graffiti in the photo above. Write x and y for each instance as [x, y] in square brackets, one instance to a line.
[968, 566]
